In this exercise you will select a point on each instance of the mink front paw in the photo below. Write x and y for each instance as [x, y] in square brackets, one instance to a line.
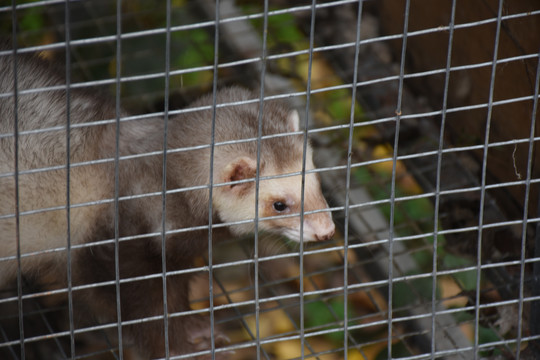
[199, 336]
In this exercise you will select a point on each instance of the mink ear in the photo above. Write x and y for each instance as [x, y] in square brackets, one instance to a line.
[242, 168]
[293, 120]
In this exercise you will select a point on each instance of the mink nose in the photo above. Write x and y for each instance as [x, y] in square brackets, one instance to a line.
[327, 233]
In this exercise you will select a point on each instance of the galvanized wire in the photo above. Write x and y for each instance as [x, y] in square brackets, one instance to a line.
[384, 239]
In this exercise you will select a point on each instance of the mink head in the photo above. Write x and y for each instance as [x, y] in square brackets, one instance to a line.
[281, 196]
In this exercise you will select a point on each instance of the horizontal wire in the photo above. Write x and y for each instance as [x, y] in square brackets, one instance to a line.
[159, 75]
[269, 98]
[295, 337]
[319, 170]
[352, 246]
[353, 287]
[211, 23]
[334, 290]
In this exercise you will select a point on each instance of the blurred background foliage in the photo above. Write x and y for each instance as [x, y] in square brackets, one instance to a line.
[192, 49]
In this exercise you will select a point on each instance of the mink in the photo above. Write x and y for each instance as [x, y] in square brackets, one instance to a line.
[127, 234]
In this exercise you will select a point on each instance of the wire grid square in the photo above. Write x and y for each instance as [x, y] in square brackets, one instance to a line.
[473, 320]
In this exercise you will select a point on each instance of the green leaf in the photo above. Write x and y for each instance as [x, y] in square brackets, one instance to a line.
[398, 350]
[466, 279]
[320, 313]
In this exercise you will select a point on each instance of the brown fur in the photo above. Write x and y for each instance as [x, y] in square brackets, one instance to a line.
[92, 223]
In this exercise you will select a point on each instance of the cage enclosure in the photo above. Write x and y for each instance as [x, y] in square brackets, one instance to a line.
[422, 119]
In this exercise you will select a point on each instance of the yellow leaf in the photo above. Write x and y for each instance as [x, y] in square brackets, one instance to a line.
[322, 75]
[265, 325]
[408, 184]
[449, 289]
[287, 349]
[280, 322]
[370, 351]
[355, 355]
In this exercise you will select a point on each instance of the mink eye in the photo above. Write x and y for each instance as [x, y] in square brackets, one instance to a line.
[280, 206]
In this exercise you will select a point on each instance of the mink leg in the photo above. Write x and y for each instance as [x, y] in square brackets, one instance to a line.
[142, 302]
[186, 333]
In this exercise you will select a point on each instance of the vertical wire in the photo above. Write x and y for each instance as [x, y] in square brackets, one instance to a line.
[257, 181]
[117, 176]
[16, 176]
[164, 181]
[302, 196]
[438, 180]
[68, 176]
[348, 185]
[526, 211]
[393, 181]
[483, 184]
[534, 315]
[211, 180]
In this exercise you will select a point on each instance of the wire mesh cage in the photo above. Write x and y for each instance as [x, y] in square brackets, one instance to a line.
[422, 120]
